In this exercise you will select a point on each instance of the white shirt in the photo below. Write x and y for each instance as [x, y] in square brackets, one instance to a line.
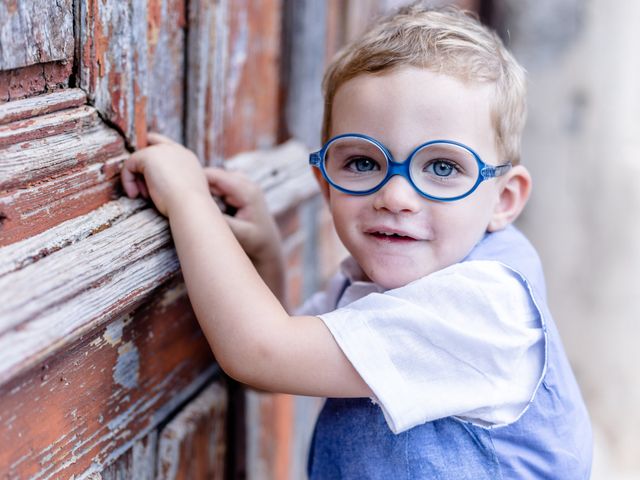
[465, 341]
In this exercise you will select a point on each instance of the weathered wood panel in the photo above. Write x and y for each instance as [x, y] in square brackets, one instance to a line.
[269, 434]
[125, 260]
[233, 79]
[19, 255]
[207, 54]
[41, 105]
[35, 31]
[132, 64]
[138, 463]
[54, 166]
[193, 445]
[34, 79]
[37, 159]
[165, 85]
[252, 80]
[78, 119]
[114, 63]
[83, 408]
[27, 212]
[306, 27]
[80, 287]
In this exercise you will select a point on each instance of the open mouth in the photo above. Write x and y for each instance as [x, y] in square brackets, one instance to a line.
[392, 237]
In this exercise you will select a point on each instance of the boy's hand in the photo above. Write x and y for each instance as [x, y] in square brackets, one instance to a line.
[165, 171]
[252, 224]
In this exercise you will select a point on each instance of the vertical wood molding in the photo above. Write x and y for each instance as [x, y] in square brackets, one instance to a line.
[131, 64]
[193, 444]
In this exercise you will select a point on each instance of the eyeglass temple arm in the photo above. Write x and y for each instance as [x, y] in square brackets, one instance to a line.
[315, 159]
[490, 172]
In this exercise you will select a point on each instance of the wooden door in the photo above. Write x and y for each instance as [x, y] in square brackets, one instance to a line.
[103, 370]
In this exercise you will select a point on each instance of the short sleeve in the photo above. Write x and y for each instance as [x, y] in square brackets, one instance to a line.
[466, 341]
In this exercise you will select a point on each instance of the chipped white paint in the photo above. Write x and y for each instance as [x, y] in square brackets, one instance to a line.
[25, 252]
[165, 107]
[114, 73]
[207, 59]
[41, 105]
[36, 31]
[79, 287]
[170, 296]
[42, 197]
[46, 125]
[33, 159]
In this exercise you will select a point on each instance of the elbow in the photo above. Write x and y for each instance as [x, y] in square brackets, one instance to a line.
[248, 364]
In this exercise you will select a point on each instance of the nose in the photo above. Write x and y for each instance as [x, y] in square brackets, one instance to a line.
[397, 196]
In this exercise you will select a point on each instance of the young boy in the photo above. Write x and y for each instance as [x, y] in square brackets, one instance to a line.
[439, 316]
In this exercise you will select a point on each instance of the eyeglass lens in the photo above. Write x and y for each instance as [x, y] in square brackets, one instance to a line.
[438, 169]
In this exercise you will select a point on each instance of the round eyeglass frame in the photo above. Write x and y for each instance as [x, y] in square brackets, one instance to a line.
[485, 171]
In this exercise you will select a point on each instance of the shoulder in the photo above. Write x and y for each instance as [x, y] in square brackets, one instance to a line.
[470, 277]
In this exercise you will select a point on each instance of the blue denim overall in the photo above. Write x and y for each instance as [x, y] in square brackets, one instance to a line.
[551, 440]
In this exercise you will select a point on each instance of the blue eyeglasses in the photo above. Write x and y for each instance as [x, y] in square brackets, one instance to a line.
[441, 170]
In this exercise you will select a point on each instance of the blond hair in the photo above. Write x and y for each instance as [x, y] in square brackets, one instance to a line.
[448, 41]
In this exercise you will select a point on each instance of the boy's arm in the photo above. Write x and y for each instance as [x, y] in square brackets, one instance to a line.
[250, 333]
[253, 226]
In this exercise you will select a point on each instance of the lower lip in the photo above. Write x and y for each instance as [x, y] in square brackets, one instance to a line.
[392, 239]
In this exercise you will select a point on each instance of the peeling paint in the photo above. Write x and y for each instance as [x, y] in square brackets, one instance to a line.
[127, 368]
[113, 332]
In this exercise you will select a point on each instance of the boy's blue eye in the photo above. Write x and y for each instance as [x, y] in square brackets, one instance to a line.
[362, 164]
[441, 168]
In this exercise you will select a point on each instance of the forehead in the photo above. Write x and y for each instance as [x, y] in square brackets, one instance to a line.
[408, 106]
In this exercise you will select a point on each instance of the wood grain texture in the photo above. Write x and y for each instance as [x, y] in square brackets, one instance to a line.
[81, 410]
[35, 80]
[113, 65]
[80, 287]
[19, 255]
[206, 59]
[165, 86]
[138, 463]
[27, 212]
[78, 119]
[41, 105]
[251, 94]
[36, 31]
[193, 445]
[132, 64]
[41, 148]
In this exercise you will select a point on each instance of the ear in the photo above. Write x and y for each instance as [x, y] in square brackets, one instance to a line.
[515, 188]
[322, 183]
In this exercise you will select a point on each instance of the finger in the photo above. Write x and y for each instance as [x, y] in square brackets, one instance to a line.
[235, 187]
[128, 177]
[142, 187]
[155, 138]
[241, 229]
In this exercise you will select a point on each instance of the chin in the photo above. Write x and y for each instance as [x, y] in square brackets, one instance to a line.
[388, 280]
